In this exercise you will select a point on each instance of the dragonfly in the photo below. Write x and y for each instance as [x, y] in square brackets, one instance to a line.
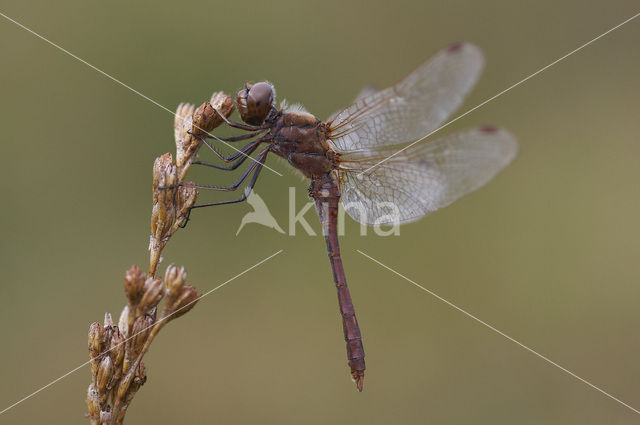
[366, 156]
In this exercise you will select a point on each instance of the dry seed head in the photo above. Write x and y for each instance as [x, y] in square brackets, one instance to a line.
[116, 349]
[153, 293]
[223, 103]
[185, 302]
[163, 212]
[174, 279]
[205, 118]
[123, 322]
[183, 111]
[186, 144]
[190, 122]
[133, 284]
[141, 328]
[108, 321]
[185, 199]
[93, 401]
[105, 373]
[96, 332]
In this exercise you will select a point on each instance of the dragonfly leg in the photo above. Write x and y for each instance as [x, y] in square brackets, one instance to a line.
[256, 167]
[234, 156]
[242, 153]
[258, 162]
[236, 138]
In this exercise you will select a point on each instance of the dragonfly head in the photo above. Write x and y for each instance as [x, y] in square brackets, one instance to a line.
[255, 102]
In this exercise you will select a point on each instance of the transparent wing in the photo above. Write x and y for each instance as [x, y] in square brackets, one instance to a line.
[367, 90]
[423, 178]
[412, 108]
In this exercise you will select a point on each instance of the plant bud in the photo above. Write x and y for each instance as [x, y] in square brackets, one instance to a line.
[185, 198]
[96, 332]
[163, 212]
[108, 320]
[185, 302]
[204, 120]
[183, 111]
[123, 322]
[153, 293]
[223, 103]
[105, 373]
[116, 349]
[174, 279]
[93, 402]
[133, 283]
[141, 329]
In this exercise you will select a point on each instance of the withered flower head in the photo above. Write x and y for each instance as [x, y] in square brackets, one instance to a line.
[185, 199]
[184, 303]
[153, 293]
[96, 336]
[108, 322]
[141, 328]
[164, 181]
[184, 111]
[105, 372]
[93, 402]
[116, 357]
[116, 349]
[191, 123]
[174, 279]
[96, 332]
[133, 284]
[224, 104]
[204, 119]
[123, 322]
[186, 144]
[163, 213]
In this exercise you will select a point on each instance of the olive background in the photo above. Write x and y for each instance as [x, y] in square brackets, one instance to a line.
[547, 252]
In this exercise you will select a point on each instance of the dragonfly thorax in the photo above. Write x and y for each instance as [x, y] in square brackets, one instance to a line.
[301, 139]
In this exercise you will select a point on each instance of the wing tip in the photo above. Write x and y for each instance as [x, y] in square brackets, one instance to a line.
[460, 46]
[455, 47]
[467, 52]
[507, 140]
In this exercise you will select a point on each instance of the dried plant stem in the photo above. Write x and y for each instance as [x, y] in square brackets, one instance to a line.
[172, 197]
[116, 351]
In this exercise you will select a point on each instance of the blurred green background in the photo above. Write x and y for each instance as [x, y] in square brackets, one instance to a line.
[547, 252]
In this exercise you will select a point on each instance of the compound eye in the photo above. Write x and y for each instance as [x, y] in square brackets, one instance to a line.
[255, 102]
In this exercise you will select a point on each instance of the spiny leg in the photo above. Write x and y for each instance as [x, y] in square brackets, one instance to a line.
[257, 166]
[242, 153]
[232, 157]
[236, 138]
[238, 182]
